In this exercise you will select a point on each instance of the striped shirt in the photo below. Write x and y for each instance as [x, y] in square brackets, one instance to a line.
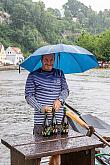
[43, 88]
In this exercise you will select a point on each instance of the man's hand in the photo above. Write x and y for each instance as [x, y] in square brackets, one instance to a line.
[57, 105]
[47, 109]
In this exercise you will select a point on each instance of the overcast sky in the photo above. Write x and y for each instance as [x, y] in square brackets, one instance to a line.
[95, 4]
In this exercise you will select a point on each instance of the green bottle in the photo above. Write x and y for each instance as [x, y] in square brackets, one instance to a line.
[46, 126]
[64, 123]
[54, 128]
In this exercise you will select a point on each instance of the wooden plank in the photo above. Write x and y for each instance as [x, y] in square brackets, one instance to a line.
[24, 139]
[86, 157]
[39, 150]
[18, 159]
[92, 156]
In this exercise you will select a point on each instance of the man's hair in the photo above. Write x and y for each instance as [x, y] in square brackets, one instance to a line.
[47, 54]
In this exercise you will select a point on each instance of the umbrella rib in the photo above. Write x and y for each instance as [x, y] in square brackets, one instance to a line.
[35, 65]
[77, 61]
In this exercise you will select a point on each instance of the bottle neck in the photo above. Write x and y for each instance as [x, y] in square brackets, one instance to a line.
[53, 117]
[46, 123]
[53, 112]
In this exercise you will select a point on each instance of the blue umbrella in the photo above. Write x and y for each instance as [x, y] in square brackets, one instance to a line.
[69, 58]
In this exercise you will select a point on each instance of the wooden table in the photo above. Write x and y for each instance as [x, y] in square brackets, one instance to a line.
[26, 149]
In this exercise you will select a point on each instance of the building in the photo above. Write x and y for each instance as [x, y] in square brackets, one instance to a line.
[2, 54]
[4, 17]
[14, 55]
[74, 19]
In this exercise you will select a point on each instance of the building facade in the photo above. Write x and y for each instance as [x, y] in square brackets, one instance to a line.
[2, 54]
[14, 55]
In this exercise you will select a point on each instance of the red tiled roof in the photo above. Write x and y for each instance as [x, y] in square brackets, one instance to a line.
[17, 50]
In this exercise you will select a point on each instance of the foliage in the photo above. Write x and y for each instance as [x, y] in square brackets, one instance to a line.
[32, 25]
[104, 45]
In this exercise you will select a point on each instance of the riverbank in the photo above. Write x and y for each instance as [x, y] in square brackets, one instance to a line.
[13, 67]
[9, 67]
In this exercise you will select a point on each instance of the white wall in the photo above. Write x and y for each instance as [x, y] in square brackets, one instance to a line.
[11, 55]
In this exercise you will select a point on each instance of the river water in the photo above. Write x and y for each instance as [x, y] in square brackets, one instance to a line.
[89, 93]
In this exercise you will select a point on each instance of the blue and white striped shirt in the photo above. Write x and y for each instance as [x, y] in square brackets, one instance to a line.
[43, 88]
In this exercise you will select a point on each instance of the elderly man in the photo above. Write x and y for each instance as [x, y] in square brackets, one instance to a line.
[46, 88]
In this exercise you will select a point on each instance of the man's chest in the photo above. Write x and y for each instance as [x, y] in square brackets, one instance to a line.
[50, 84]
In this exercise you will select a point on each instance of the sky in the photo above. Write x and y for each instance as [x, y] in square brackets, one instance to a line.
[96, 5]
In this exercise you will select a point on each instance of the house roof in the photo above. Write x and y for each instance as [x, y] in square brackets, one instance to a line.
[16, 49]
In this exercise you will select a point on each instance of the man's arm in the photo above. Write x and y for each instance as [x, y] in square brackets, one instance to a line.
[63, 94]
[64, 89]
[30, 93]
[30, 96]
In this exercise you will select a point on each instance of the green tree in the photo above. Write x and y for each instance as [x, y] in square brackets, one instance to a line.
[20, 16]
[87, 41]
[104, 45]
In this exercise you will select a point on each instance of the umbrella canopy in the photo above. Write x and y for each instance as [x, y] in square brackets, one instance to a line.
[69, 58]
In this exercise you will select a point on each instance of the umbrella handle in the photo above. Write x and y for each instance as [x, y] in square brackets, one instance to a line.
[19, 69]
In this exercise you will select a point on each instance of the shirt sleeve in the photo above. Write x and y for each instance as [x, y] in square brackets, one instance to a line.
[30, 93]
[64, 89]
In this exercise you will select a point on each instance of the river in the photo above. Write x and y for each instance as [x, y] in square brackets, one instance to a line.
[89, 93]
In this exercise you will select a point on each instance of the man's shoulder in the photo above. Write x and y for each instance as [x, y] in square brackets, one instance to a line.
[35, 72]
[58, 72]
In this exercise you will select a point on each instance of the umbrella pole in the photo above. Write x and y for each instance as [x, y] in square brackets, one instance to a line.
[19, 69]
[77, 118]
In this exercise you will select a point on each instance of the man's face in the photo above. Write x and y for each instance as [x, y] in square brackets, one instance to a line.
[47, 62]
